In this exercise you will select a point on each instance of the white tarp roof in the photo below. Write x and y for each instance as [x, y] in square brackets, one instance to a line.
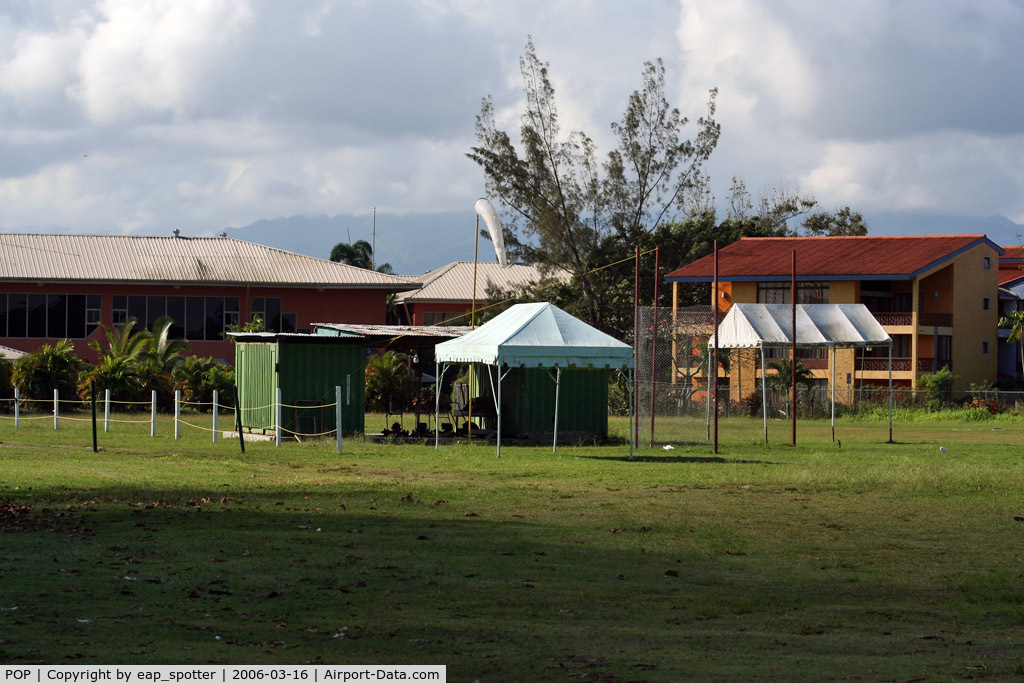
[751, 325]
[537, 335]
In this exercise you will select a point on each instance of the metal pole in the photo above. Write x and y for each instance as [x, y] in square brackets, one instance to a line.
[636, 343]
[714, 312]
[497, 405]
[558, 381]
[17, 407]
[654, 335]
[476, 244]
[238, 418]
[106, 410]
[833, 393]
[437, 404]
[152, 414]
[792, 364]
[890, 391]
[707, 402]
[337, 414]
[177, 414]
[277, 417]
[764, 394]
[629, 383]
[216, 396]
[56, 408]
[92, 400]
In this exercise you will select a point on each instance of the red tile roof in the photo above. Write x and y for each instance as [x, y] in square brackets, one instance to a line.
[828, 258]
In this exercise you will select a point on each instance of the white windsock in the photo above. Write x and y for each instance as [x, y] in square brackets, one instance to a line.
[490, 216]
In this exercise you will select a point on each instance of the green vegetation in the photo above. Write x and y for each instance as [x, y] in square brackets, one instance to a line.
[873, 561]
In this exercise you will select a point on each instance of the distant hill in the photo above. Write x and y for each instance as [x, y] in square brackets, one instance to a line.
[999, 229]
[416, 243]
[412, 244]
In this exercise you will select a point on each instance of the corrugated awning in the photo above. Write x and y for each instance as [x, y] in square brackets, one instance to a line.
[841, 325]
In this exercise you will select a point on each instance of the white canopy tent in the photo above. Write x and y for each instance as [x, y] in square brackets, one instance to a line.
[534, 336]
[817, 325]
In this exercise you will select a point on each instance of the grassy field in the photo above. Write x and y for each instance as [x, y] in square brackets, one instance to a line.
[873, 561]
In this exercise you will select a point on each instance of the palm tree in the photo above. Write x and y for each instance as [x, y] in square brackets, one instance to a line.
[386, 380]
[1015, 321]
[37, 374]
[782, 378]
[358, 254]
[123, 341]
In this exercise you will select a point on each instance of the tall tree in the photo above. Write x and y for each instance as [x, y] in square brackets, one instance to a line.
[566, 209]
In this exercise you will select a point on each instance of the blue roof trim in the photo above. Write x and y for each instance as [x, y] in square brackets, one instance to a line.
[825, 276]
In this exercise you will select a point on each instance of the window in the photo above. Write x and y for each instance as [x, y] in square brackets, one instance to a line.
[439, 318]
[986, 262]
[47, 316]
[269, 308]
[119, 315]
[806, 292]
[92, 312]
[984, 347]
[985, 303]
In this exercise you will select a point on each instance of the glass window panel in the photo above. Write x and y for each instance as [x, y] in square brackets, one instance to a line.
[76, 316]
[37, 315]
[156, 308]
[17, 315]
[176, 312]
[93, 301]
[273, 314]
[288, 323]
[3, 315]
[231, 304]
[195, 317]
[258, 304]
[214, 318]
[56, 316]
[137, 310]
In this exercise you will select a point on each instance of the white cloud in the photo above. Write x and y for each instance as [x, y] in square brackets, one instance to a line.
[146, 56]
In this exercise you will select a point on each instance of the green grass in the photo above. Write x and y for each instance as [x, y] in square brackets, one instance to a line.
[875, 561]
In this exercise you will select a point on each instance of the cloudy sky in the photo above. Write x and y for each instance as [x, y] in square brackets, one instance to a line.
[139, 116]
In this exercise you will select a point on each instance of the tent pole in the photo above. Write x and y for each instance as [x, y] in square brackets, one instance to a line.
[833, 393]
[890, 390]
[629, 382]
[497, 407]
[558, 381]
[437, 404]
[764, 394]
[708, 409]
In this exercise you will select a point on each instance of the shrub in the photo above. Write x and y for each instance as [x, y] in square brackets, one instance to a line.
[938, 386]
[37, 374]
[198, 378]
[386, 381]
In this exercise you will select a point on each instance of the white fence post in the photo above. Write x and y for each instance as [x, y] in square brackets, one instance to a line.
[337, 414]
[277, 417]
[177, 413]
[152, 414]
[215, 409]
[106, 410]
[56, 408]
[17, 407]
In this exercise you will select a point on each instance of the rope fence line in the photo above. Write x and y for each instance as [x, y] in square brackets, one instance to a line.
[278, 428]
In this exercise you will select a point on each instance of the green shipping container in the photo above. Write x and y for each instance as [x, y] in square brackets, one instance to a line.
[528, 402]
[307, 368]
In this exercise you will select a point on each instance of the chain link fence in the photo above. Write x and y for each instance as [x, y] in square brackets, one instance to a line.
[673, 404]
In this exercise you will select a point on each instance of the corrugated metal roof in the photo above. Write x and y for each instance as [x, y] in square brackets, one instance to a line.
[178, 260]
[374, 333]
[842, 325]
[454, 282]
[829, 257]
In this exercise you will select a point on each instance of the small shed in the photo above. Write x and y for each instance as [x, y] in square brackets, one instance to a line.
[307, 368]
[537, 341]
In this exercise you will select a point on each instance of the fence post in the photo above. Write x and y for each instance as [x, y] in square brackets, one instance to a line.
[177, 414]
[17, 407]
[215, 398]
[277, 417]
[152, 414]
[106, 410]
[337, 414]
[92, 400]
[56, 408]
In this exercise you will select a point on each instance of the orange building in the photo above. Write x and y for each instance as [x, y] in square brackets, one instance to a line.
[937, 296]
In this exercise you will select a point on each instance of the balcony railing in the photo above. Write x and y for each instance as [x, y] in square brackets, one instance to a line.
[898, 364]
[935, 319]
[928, 319]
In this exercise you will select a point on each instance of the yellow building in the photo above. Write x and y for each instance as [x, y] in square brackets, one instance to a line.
[935, 295]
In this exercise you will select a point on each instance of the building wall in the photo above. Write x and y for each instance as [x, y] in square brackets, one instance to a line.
[972, 325]
[417, 311]
[308, 304]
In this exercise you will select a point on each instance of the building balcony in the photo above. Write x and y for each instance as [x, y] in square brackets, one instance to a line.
[898, 364]
[892, 319]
